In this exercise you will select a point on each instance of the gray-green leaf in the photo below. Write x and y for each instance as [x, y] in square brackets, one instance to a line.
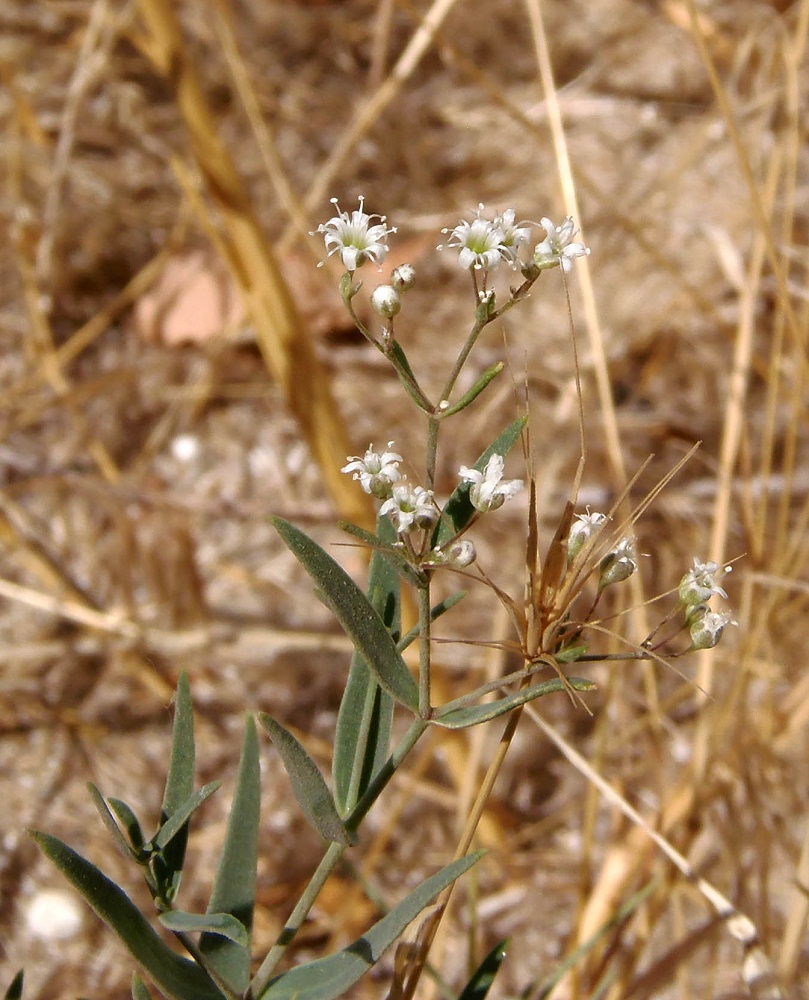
[234, 889]
[473, 715]
[362, 737]
[177, 977]
[355, 613]
[330, 977]
[176, 821]
[308, 785]
[223, 924]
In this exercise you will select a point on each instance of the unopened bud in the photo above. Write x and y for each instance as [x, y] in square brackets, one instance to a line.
[618, 565]
[403, 277]
[461, 554]
[385, 300]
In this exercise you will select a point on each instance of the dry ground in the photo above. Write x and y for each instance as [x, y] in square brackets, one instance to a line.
[137, 473]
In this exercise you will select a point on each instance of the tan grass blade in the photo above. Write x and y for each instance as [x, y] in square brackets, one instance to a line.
[756, 969]
[284, 343]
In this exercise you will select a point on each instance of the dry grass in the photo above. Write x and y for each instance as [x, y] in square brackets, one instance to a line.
[677, 136]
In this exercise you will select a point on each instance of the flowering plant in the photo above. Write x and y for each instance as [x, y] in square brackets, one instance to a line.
[418, 535]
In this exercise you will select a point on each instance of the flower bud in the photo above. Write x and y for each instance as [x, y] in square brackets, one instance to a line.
[619, 564]
[461, 554]
[385, 300]
[706, 629]
[403, 277]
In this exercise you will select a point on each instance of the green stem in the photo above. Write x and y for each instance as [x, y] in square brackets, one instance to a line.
[385, 773]
[433, 425]
[425, 623]
[328, 863]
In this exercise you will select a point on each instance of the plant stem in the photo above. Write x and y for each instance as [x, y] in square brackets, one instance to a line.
[328, 863]
[425, 624]
[433, 425]
[385, 773]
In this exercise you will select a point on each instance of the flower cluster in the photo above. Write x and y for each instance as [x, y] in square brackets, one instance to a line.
[696, 589]
[413, 508]
[483, 244]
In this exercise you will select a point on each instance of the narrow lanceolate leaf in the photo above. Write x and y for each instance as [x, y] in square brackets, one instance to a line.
[234, 890]
[128, 820]
[180, 777]
[109, 821]
[139, 991]
[169, 830]
[308, 785]
[362, 738]
[14, 991]
[330, 977]
[458, 510]
[473, 715]
[176, 977]
[435, 612]
[355, 613]
[483, 977]
[222, 924]
[178, 791]
[475, 391]
[392, 555]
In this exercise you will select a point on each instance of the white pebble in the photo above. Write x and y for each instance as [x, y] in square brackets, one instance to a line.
[185, 447]
[54, 915]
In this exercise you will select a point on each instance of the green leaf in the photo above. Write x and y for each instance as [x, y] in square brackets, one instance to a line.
[473, 715]
[391, 554]
[179, 791]
[127, 818]
[177, 977]
[458, 510]
[234, 889]
[222, 924]
[330, 977]
[308, 784]
[108, 819]
[481, 982]
[355, 613]
[139, 991]
[435, 612]
[14, 992]
[475, 391]
[362, 737]
[175, 823]
[180, 777]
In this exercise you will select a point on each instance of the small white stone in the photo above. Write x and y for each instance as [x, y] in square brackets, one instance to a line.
[53, 915]
[185, 447]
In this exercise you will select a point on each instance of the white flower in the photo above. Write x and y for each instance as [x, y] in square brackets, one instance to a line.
[489, 490]
[706, 628]
[619, 564]
[698, 586]
[480, 242]
[514, 235]
[354, 238]
[376, 473]
[409, 507]
[556, 250]
[581, 531]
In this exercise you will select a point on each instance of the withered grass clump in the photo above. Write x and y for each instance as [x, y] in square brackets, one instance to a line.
[136, 478]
